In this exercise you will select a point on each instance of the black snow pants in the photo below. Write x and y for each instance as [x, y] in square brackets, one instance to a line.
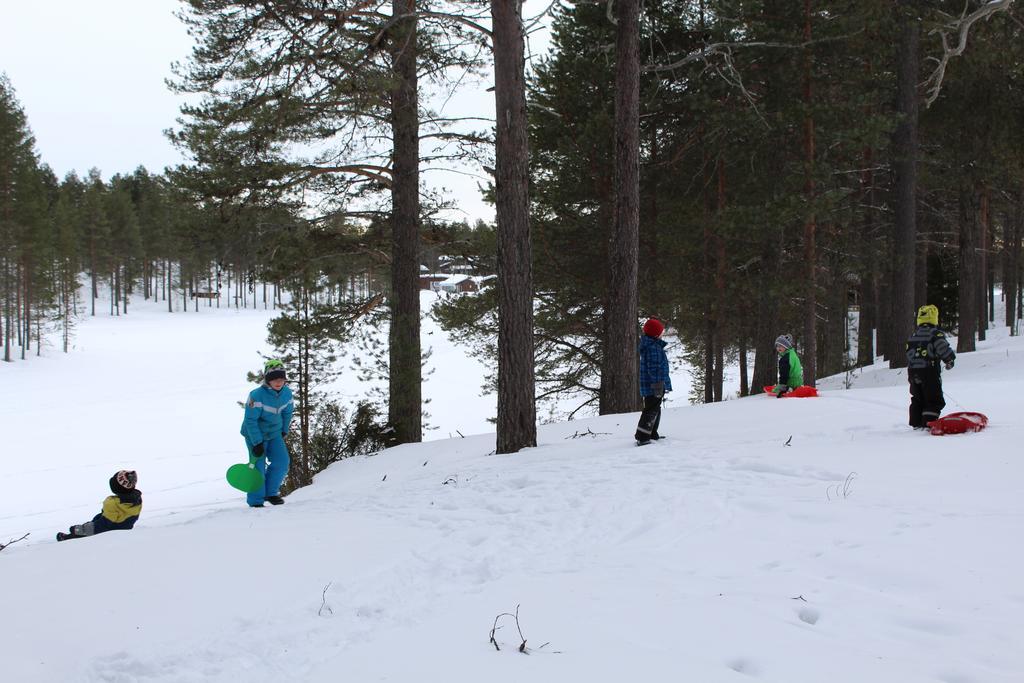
[926, 401]
[650, 418]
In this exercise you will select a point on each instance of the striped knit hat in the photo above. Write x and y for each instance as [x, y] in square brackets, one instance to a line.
[785, 341]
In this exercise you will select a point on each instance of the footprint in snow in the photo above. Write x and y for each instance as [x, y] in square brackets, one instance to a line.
[809, 615]
[744, 666]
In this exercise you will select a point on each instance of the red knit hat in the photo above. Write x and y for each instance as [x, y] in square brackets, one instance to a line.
[653, 327]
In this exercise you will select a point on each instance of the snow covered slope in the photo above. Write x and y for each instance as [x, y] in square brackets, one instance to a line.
[775, 540]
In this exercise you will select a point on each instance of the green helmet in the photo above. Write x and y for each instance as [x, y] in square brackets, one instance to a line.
[273, 369]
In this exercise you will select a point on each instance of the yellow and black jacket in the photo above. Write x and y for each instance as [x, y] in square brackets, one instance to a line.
[120, 511]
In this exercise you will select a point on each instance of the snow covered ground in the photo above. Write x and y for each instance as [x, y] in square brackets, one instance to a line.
[860, 551]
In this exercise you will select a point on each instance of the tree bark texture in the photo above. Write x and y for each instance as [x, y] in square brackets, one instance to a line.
[719, 319]
[904, 141]
[744, 380]
[517, 413]
[867, 318]
[620, 385]
[983, 242]
[405, 385]
[920, 275]
[968, 278]
[810, 341]
[1011, 273]
[766, 359]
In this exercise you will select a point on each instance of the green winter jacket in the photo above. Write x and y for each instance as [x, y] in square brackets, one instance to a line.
[790, 371]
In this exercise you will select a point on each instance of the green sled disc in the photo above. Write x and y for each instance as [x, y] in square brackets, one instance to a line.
[245, 477]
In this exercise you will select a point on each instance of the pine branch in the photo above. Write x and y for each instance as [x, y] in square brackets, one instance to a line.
[961, 27]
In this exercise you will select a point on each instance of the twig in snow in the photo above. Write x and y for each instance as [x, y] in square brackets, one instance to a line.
[841, 490]
[522, 645]
[799, 597]
[4, 545]
[323, 601]
[789, 440]
[579, 434]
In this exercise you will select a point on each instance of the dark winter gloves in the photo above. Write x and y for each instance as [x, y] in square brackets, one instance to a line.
[658, 388]
[780, 390]
[257, 450]
[949, 364]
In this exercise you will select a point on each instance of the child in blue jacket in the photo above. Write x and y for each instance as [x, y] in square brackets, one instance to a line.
[120, 511]
[268, 413]
[654, 380]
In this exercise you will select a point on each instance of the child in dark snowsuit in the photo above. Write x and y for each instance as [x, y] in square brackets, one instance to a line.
[791, 373]
[120, 511]
[654, 380]
[927, 348]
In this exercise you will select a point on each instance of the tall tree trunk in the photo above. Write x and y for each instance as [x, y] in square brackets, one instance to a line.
[968, 278]
[810, 226]
[6, 245]
[744, 380]
[867, 317]
[517, 412]
[766, 360]
[990, 269]
[983, 240]
[405, 383]
[306, 387]
[647, 279]
[1011, 274]
[28, 305]
[719, 320]
[619, 360]
[707, 299]
[92, 272]
[904, 142]
[709, 354]
[921, 274]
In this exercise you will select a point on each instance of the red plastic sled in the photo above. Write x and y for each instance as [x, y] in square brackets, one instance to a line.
[800, 392]
[958, 423]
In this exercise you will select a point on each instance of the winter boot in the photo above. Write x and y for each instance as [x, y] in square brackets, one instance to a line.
[275, 500]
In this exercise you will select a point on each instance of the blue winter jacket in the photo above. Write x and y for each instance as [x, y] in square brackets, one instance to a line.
[653, 366]
[268, 414]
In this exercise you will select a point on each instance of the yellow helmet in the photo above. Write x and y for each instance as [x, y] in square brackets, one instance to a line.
[928, 315]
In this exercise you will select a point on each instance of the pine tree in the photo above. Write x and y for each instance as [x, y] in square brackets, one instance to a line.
[18, 165]
[517, 412]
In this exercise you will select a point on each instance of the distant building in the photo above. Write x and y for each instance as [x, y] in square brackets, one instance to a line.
[458, 283]
[431, 280]
[454, 264]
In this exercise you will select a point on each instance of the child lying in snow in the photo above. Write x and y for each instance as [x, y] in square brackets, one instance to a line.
[120, 511]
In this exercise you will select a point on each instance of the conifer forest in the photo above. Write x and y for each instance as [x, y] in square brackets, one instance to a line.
[736, 168]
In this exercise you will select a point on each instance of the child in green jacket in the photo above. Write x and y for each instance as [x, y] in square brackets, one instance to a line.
[791, 374]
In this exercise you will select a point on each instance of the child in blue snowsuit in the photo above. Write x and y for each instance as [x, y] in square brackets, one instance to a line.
[268, 413]
[654, 380]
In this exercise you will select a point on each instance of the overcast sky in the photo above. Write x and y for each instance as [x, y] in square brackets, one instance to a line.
[90, 78]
